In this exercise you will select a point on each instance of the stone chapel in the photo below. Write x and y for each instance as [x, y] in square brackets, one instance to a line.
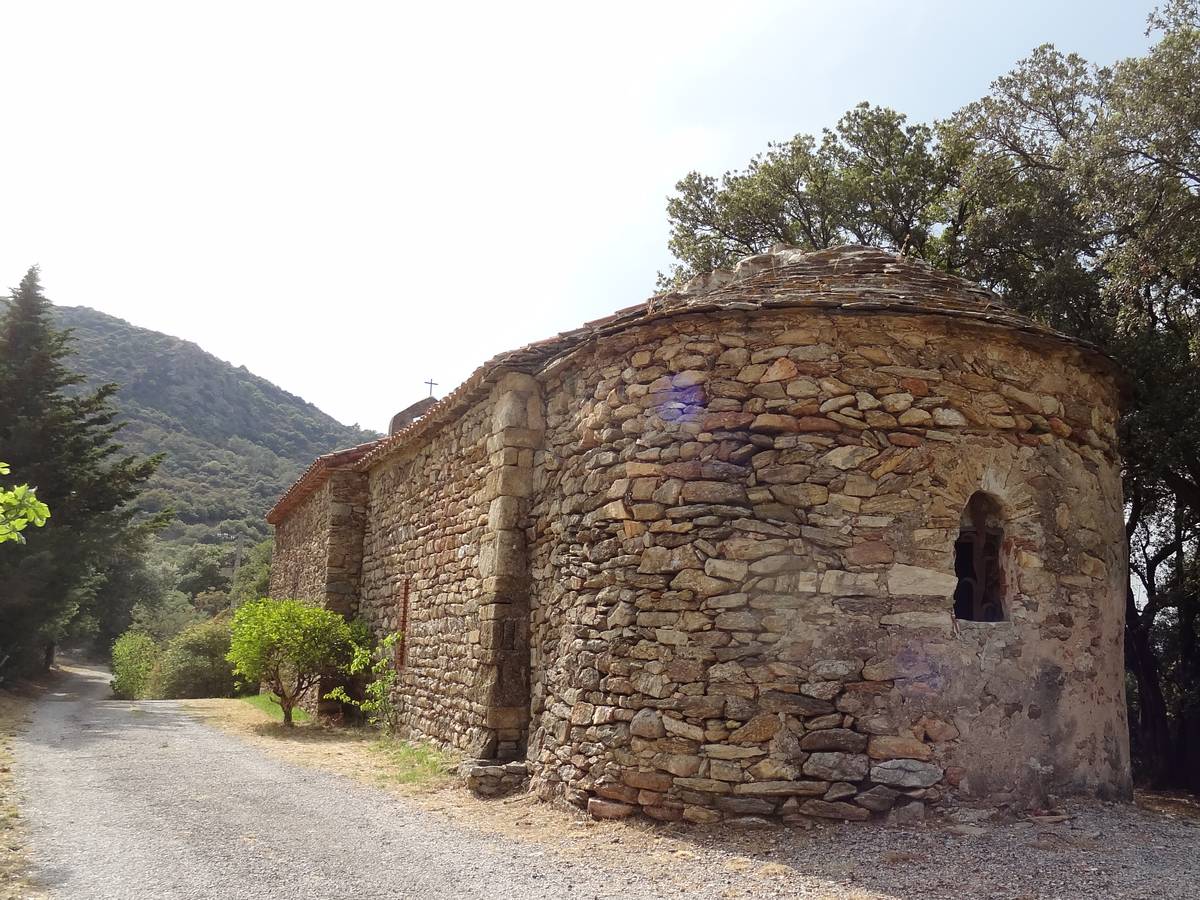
[828, 535]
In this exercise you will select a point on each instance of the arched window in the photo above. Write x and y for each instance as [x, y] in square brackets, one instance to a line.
[979, 596]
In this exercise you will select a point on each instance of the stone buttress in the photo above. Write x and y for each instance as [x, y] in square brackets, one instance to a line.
[517, 428]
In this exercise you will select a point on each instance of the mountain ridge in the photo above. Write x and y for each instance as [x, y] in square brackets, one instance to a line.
[234, 440]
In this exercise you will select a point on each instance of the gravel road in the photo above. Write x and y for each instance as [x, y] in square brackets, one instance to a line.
[138, 800]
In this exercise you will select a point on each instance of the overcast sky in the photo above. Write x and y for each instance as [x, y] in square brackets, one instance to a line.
[351, 198]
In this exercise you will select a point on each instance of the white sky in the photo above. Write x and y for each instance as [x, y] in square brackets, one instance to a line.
[350, 198]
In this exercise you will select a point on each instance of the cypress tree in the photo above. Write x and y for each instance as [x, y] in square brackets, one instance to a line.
[58, 435]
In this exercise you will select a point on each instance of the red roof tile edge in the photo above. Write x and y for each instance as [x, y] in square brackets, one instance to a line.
[314, 476]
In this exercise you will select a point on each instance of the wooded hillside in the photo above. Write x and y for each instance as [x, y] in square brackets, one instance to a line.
[233, 441]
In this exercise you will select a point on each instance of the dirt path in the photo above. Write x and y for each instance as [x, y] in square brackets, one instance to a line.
[139, 800]
[145, 800]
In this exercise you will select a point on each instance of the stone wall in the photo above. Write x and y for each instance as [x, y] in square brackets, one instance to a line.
[742, 557]
[347, 493]
[301, 554]
[318, 546]
[318, 556]
[444, 528]
[426, 520]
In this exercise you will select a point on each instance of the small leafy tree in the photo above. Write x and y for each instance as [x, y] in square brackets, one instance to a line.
[380, 663]
[19, 507]
[134, 658]
[288, 645]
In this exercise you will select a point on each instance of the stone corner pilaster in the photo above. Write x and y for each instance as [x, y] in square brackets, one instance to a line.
[517, 430]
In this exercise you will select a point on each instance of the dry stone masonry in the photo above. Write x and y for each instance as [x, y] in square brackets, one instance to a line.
[833, 535]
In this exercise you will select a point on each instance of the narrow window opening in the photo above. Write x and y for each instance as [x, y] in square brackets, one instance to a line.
[979, 596]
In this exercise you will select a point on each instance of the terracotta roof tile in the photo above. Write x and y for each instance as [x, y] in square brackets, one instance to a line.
[314, 476]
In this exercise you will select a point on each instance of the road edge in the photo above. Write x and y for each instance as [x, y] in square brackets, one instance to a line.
[16, 865]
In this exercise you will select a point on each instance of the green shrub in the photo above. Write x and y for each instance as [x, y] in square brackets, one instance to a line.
[379, 661]
[134, 658]
[287, 645]
[195, 665]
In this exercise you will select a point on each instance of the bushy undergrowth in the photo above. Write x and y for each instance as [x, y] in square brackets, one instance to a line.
[194, 664]
[378, 661]
[191, 664]
[134, 659]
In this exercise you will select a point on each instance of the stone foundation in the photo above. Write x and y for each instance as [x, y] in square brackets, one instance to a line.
[493, 777]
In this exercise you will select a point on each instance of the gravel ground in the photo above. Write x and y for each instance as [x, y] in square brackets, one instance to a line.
[138, 800]
[141, 800]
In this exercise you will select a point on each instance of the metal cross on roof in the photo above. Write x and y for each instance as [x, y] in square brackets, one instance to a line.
[432, 384]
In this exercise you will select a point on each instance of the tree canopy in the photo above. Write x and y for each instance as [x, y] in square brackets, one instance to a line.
[288, 645]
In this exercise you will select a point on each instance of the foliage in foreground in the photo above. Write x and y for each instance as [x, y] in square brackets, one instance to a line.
[19, 508]
[1073, 191]
[288, 646]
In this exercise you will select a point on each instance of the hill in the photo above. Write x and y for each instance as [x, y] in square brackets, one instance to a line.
[234, 441]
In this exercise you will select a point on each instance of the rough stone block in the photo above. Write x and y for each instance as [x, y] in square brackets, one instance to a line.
[783, 788]
[840, 739]
[915, 581]
[906, 773]
[759, 728]
[847, 812]
[898, 747]
[837, 766]
[682, 729]
[514, 481]
[599, 808]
